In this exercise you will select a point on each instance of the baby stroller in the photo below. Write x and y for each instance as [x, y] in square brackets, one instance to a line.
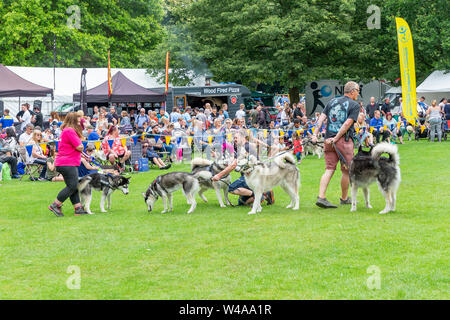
[422, 129]
[445, 128]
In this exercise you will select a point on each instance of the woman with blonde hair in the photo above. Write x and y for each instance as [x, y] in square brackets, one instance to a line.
[37, 154]
[67, 162]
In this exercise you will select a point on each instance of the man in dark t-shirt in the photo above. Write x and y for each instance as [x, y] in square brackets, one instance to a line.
[371, 107]
[340, 113]
[386, 107]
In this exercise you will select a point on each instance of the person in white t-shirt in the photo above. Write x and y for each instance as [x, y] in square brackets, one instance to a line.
[25, 137]
[26, 117]
[240, 114]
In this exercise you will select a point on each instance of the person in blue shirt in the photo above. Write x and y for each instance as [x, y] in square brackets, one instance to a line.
[92, 134]
[225, 111]
[377, 124]
[6, 121]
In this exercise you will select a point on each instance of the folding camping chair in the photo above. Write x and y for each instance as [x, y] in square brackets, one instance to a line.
[31, 169]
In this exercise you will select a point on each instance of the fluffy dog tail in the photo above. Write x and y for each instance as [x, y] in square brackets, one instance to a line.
[285, 158]
[84, 182]
[200, 162]
[388, 148]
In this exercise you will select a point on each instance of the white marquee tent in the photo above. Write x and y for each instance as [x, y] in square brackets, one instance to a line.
[68, 82]
[435, 86]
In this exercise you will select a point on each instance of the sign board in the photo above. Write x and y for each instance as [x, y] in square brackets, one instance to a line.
[319, 93]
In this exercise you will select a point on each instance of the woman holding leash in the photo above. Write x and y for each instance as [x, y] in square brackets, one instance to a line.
[67, 162]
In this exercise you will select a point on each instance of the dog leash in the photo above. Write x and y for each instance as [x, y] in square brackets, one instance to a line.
[341, 157]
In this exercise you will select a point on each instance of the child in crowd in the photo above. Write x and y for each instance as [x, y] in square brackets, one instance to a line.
[298, 146]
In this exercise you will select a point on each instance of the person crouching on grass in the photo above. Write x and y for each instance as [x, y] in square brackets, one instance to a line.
[340, 113]
[67, 162]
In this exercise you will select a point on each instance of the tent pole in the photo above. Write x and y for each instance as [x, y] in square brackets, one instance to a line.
[54, 63]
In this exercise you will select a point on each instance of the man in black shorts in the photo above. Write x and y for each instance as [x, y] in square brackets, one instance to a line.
[340, 113]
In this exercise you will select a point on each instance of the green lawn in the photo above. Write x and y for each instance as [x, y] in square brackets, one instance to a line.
[219, 253]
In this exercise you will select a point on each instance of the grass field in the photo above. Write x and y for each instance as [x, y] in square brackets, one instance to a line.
[219, 253]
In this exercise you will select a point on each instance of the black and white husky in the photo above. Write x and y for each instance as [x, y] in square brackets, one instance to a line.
[263, 177]
[369, 166]
[314, 148]
[105, 183]
[165, 185]
[205, 170]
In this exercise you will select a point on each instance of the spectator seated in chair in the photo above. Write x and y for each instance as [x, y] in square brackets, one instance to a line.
[149, 152]
[8, 151]
[117, 151]
[37, 154]
[87, 167]
[52, 174]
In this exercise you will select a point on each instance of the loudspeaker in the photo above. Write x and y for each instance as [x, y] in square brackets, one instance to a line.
[37, 104]
[1, 108]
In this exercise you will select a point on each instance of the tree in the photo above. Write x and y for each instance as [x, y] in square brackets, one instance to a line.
[126, 27]
[295, 41]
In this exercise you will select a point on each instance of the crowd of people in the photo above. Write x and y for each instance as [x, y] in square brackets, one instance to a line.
[213, 131]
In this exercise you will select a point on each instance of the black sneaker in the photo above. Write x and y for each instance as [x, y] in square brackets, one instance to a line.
[269, 197]
[347, 201]
[55, 209]
[80, 211]
[323, 203]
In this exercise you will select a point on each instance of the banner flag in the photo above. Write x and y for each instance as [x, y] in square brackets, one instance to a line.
[178, 141]
[135, 138]
[84, 145]
[110, 142]
[357, 130]
[229, 136]
[189, 139]
[29, 149]
[407, 69]
[210, 139]
[265, 133]
[157, 138]
[56, 145]
[290, 133]
[44, 147]
[97, 145]
[124, 141]
[167, 73]
[281, 133]
[167, 139]
[371, 129]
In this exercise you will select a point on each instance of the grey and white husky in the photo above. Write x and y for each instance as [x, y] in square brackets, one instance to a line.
[314, 148]
[105, 183]
[262, 177]
[369, 166]
[165, 185]
[205, 169]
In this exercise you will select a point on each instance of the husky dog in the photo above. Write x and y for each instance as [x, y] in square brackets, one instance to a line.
[369, 166]
[313, 148]
[101, 182]
[208, 169]
[262, 177]
[165, 185]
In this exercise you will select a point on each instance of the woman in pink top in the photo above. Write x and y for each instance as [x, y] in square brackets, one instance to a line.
[67, 162]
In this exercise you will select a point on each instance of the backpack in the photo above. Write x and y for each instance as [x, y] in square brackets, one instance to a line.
[6, 172]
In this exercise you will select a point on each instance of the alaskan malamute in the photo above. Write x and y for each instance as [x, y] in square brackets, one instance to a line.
[368, 167]
[105, 183]
[262, 177]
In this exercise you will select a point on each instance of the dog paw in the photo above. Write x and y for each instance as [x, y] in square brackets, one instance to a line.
[89, 212]
[223, 206]
[289, 206]
[104, 211]
[252, 212]
[369, 206]
[384, 211]
[352, 209]
[164, 211]
[295, 208]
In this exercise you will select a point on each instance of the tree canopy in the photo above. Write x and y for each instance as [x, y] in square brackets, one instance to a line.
[293, 41]
[126, 27]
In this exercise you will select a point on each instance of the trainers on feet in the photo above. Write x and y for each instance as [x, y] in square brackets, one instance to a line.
[323, 203]
[55, 209]
[80, 211]
[347, 201]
